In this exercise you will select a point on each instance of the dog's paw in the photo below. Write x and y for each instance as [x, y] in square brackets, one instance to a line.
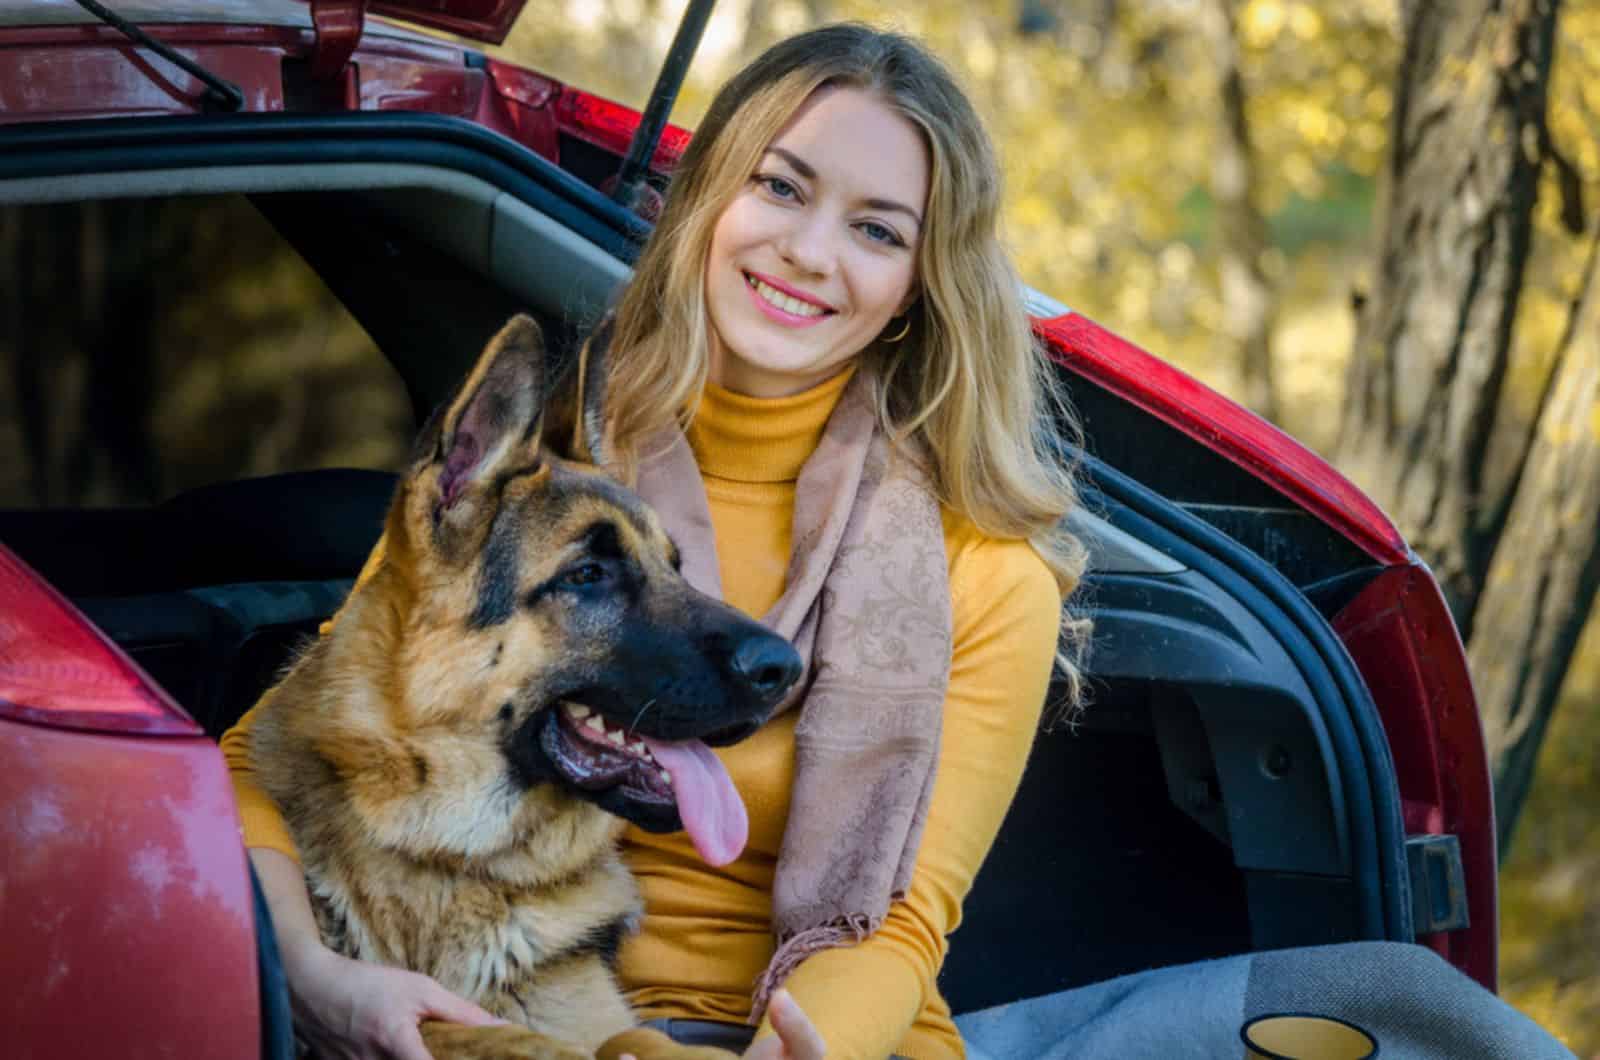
[454, 1041]
[646, 1043]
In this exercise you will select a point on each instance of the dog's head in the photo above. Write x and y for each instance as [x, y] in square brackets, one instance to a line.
[543, 608]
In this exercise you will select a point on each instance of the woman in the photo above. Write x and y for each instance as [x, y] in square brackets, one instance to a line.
[825, 280]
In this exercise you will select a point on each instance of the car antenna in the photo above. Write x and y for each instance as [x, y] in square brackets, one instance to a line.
[225, 94]
[635, 166]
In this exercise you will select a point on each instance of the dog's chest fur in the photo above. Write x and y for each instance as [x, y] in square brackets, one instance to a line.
[479, 939]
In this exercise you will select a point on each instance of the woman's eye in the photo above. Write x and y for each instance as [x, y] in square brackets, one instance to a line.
[881, 234]
[779, 187]
[588, 574]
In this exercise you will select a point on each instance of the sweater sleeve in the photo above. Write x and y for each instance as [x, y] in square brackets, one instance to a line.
[260, 822]
[1006, 613]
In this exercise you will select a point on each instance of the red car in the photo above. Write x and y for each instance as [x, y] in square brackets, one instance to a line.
[1283, 747]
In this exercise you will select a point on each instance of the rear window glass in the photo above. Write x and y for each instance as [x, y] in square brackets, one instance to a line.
[152, 346]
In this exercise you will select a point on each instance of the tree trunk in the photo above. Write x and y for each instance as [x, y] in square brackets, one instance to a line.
[1542, 583]
[1433, 338]
[1249, 302]
[1432, 348]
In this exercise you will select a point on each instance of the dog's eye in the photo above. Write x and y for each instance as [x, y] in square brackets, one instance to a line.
[588, 574]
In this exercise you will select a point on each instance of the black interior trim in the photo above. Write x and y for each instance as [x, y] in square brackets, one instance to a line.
[1376, 832]
[60, 149]
[277, 1025]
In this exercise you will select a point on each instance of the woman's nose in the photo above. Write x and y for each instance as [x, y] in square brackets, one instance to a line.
[807, 245]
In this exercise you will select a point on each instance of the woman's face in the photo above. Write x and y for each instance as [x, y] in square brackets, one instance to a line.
[818, 251]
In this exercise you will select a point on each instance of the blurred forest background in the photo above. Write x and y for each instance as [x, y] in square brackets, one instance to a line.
[1219, 181]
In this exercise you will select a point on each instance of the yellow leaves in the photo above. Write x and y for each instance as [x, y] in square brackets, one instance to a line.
[1351, 79]
[789, 17]
[1082, 246]
[981, 56]
[1304, 22]
[1302, 176]
[1318, 126]
[1177, 261]
[1032, 210]
[1378, 101]
[1261, 22]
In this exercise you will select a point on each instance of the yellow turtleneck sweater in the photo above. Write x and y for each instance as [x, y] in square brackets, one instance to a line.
[707, 933]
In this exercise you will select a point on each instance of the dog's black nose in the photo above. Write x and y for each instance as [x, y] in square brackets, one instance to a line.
[765, 664]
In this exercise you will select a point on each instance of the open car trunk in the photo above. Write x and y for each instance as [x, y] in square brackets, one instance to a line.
[1229, 788]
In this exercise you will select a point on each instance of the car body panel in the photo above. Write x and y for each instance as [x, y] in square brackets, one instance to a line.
[124, 898]
[485, 20]
[1398, 627]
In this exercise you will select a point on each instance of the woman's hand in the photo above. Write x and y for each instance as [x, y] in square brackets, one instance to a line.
[348, 1009]
[796, 1039]
[353, 1010]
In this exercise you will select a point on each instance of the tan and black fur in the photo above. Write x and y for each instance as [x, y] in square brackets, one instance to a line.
[410, 747]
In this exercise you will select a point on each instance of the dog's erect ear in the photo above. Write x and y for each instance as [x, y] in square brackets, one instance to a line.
[590, 443]
[493, 424]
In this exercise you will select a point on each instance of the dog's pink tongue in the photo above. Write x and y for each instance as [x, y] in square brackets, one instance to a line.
[712, 811]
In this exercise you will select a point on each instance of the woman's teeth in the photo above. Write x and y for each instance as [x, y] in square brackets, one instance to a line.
[783, 301]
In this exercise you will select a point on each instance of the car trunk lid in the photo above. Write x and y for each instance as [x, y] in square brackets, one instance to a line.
[484, 20]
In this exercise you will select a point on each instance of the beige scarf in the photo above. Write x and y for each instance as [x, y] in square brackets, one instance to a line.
[867, 604]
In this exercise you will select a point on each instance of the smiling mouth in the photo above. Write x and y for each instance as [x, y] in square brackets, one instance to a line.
[783, 302]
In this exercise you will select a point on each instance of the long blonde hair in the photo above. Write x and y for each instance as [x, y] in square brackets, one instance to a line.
[968, 380]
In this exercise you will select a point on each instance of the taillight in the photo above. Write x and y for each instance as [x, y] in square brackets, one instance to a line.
[1400, 635]
[57, 669]
[1233, 432]
[610, 125]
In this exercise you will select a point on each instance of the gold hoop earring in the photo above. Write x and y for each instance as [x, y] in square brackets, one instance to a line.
[904, 331]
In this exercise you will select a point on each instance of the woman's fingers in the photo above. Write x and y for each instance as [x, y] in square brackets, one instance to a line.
[435, 1002]
[796, 1039]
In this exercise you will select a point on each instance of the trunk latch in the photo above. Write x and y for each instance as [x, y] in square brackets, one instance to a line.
[1438, 883]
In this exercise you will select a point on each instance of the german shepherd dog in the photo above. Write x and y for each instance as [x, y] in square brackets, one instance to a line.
[521, 670]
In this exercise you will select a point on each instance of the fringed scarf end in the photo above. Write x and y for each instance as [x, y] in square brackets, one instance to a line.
[844, 931]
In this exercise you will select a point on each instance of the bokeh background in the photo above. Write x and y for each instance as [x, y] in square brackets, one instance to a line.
[1205, 177]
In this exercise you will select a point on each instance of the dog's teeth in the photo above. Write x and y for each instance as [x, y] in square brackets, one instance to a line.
[666, 776]
[595, 723]
[577, 711]
[615, 737]
[638, 747]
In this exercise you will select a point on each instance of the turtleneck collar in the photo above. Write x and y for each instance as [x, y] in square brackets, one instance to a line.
[748, 439]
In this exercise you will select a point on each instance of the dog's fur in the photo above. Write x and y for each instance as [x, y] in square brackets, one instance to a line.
[409, 746]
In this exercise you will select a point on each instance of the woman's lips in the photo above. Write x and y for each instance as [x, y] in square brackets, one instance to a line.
[778, 313]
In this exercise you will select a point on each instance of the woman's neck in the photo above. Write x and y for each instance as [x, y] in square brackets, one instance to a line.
[753, 439]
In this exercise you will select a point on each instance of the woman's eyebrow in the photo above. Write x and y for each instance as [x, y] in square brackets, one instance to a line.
[802, 167]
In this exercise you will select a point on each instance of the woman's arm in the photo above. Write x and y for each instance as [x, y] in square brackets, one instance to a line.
[344, 1008]
[1006, 612]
